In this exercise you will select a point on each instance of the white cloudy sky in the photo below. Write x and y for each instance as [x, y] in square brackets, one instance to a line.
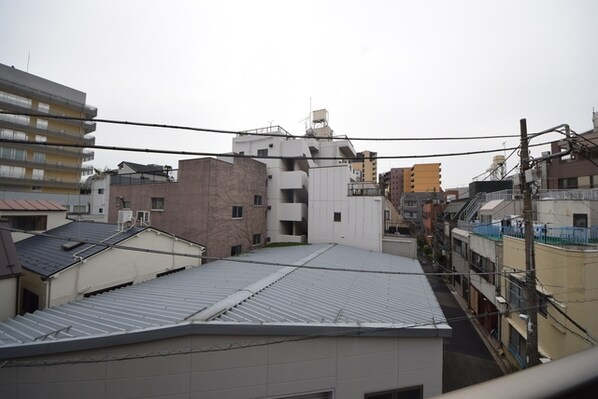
[381, 68]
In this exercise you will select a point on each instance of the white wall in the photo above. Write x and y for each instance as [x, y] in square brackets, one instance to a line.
[349, 366]
[100, 193]
[8, 297]
[118, 266]
[559, 213]
[362, 217]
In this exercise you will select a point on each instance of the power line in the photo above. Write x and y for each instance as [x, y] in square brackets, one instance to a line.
[246, 132]
[236, 155]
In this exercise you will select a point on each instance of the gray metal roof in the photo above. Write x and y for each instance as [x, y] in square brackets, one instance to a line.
[46, 256]
[257, 297]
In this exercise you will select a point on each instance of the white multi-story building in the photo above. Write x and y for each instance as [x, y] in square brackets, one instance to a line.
[289, 160]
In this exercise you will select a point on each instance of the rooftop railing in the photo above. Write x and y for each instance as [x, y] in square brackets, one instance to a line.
[364, 189]
[542, 233]
[266, 130]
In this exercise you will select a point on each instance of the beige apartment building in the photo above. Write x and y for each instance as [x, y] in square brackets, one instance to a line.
[566, 283]
[50, 168]
[425, 177]
[367, 165]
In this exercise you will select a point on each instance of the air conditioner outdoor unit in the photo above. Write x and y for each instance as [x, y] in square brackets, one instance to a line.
[125, 216]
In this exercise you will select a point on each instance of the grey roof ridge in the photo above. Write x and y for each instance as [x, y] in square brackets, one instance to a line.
[247, 292]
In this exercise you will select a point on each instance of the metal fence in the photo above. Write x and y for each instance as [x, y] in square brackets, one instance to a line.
[542, 233]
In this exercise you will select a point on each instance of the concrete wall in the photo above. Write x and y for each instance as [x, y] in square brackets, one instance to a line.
[199, 206]
[349, 366]
[559, 213]
[8, 297]
[361, 223]
[400, 246]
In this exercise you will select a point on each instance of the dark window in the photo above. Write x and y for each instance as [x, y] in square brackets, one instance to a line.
[30, 301]
[100, 191]
[517, 346]
[27, 222]
[101, 210]
[235, 250]
[403, 393]
[516, 293]
[337, 216]
[237, 212]
[257, 200]
[262, 152]
[567, 183]
[257, 239]
[157, 203]
[580, 220]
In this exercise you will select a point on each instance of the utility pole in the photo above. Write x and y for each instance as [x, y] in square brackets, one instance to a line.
[531, 302]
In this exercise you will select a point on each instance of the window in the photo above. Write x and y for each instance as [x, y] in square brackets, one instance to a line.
[12, 171]
[257, 239]
[12, 134]
[567, 183]
[237, 212]
[157, 203]
[43, 107]
[100, 191]
[262, 153]
[40, 139]
[402, 393]
[235, 250]
[516, 293]
[337, 216]
[517, 346]
[37, 174]
[39, 157]
[13, 153]
[101, 210]
[257, 200]
[42, 124]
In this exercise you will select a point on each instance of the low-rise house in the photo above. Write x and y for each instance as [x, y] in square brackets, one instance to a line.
[10, 274]
[275, 322]
[32, 215]
[83, 258]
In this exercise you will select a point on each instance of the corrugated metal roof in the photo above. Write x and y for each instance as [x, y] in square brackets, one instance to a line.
[46, 255]
[30, 205]
[298, 296]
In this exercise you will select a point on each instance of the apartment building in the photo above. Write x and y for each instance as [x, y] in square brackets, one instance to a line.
[488, 257]
[218, 203]
[425, 177]
[577, 170]
[367, 165]
[42, 168]
[289, 160]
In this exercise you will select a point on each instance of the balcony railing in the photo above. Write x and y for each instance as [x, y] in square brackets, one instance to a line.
[542, 233]
[364, 189]
[266, 130]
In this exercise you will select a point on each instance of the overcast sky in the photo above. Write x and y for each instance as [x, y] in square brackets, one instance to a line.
[381, 69]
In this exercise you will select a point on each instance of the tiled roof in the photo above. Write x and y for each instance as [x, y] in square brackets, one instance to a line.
[266, 294]
[30, 205]
[45, 255]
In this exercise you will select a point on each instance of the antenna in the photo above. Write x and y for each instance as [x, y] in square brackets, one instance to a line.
[28, 58]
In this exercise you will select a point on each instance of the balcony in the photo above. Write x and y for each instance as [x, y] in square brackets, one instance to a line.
[19, 181]
[295, 180]
[292, 212]
[71, 167]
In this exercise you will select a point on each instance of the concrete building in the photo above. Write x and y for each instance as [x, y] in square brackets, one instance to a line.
[577, 171]
[220, 203]
[80, 259]
[367, 165]
[288, 161]
[285, 331]
[425, 177]
[35, 216]
[49, 169]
